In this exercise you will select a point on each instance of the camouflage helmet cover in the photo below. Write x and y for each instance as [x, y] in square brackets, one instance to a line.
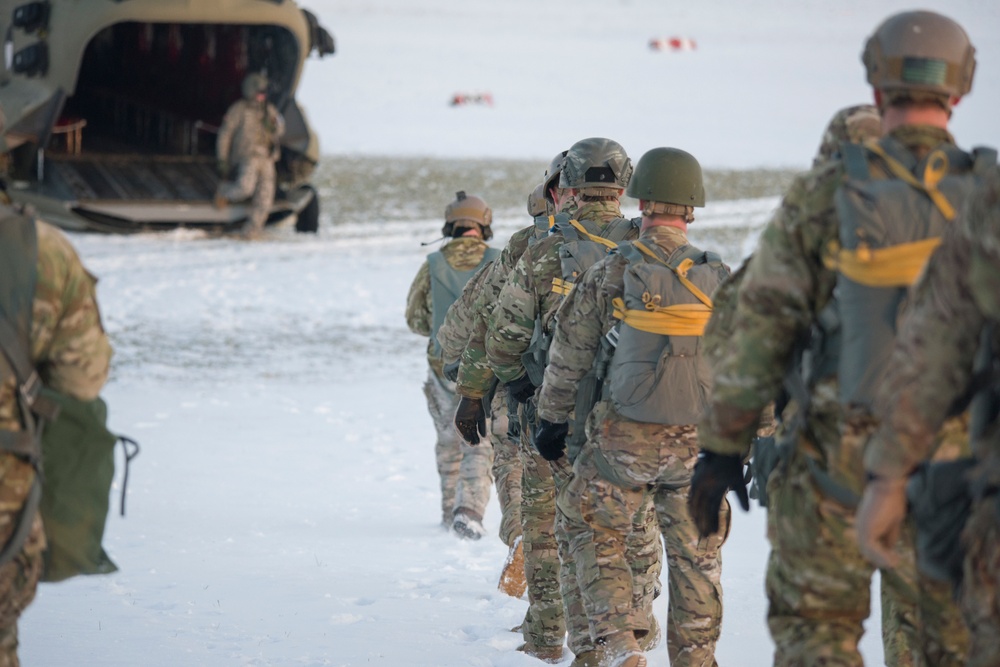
[253, 84]
[552, 174]
[921, 55]
[855, 124]
[596, 163]
[467, 212]
[670, 176]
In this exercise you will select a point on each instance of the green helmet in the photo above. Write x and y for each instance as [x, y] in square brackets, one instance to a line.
[467, 212]
[552, 174]
[669, 176]
[537, 202]
[596, 163]
[920, 55]
[254, 84]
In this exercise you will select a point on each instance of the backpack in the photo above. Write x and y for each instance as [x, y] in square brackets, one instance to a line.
[892, 210]
[65, 439]
[446, 286]
[657, 373]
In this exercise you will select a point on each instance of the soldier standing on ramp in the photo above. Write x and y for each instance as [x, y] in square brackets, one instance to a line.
[650, 297]
[249, 139]
[464, 469]
[863, 223]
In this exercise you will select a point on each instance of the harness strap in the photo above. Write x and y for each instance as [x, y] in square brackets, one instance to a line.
[563, 287]
[686, 319]
[936, 168]
[681, 271]
[895, 266]
[611, 245]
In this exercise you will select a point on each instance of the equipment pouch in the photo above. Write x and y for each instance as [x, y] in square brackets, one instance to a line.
[940, 502]
[766, 456]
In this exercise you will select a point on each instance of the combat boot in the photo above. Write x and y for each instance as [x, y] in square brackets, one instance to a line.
[512, 579]
[550, 654]
[467, 526]
[620, 650]
[590, 658]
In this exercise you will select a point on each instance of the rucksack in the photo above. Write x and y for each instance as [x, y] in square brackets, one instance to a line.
[446, 286]
[657, 373]
[63, 438]
[892, 210]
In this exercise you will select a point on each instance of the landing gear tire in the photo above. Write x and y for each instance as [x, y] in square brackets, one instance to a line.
[308, 218]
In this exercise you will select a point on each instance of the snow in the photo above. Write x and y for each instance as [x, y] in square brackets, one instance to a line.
[284, 508]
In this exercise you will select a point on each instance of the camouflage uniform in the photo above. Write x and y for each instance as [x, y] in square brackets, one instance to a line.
[817, 580]
[464, 470]
[526, 294]
[623, 465]
[249, 138]
[453, 336]
[71, 352]
[932, 365]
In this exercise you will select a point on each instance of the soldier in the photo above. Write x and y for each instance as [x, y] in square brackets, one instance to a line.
[544, 626]
[595, 173]
[827, 234]
[954, 303]
[464, 470]
[650, 296]
[249, 138]
[48, 300]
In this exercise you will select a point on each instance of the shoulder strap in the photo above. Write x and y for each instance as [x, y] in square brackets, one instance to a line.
[984, 158]
[855, 161]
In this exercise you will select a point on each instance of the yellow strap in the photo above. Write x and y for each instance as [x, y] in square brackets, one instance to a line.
[552, 221]
[688, 319]
[681, 271]
[934, 171]
[895, 266]
[560, 286]
[596, 239]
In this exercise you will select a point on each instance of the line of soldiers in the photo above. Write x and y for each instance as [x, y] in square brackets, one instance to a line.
[625, 378]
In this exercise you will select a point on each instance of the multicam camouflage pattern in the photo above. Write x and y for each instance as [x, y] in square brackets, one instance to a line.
[932, 364]
[817, 580]
[624, 465]
[463, 254]
[855, 124]
[507, 469]
[464, 470]
[72, 353]
[528, 295]
[249, 139]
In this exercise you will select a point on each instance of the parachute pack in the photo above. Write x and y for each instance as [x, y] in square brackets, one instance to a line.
[446, 286]
[657, 373]
[64, 439]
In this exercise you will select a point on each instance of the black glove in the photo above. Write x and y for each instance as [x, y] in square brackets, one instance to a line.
[521, 389]
[714, 475]
[550, 439]
[470, 420]
[451, 370]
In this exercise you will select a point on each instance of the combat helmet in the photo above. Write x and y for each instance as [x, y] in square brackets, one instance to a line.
[669, 181]
[920, 56]
[552, 175]
[538, 203]
[467, 212]
[854, 124]
[596, 165]
[253, 84]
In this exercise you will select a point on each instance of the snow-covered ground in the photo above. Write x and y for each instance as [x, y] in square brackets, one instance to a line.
[284, 508]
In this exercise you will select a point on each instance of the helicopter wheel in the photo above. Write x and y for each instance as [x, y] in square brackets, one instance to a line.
[308, 218]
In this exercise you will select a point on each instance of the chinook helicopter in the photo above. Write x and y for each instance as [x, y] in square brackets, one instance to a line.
[111, 108]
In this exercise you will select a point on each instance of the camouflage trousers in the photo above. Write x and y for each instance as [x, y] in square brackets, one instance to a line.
[625, 473]
[464, 470]
[255, 177]
[506, 468]
[980, 590]
[19, 576]
[818, 586]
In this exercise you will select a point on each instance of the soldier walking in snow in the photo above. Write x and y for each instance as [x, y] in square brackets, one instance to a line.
[249, 139]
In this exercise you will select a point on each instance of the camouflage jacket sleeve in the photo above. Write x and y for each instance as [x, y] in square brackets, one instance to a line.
[934, 351]
[458, 321]
[785, 285]
[584, 316]
[475, 373]
[526, 295]
[69, 345]
[418, 303]
[224, 140]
